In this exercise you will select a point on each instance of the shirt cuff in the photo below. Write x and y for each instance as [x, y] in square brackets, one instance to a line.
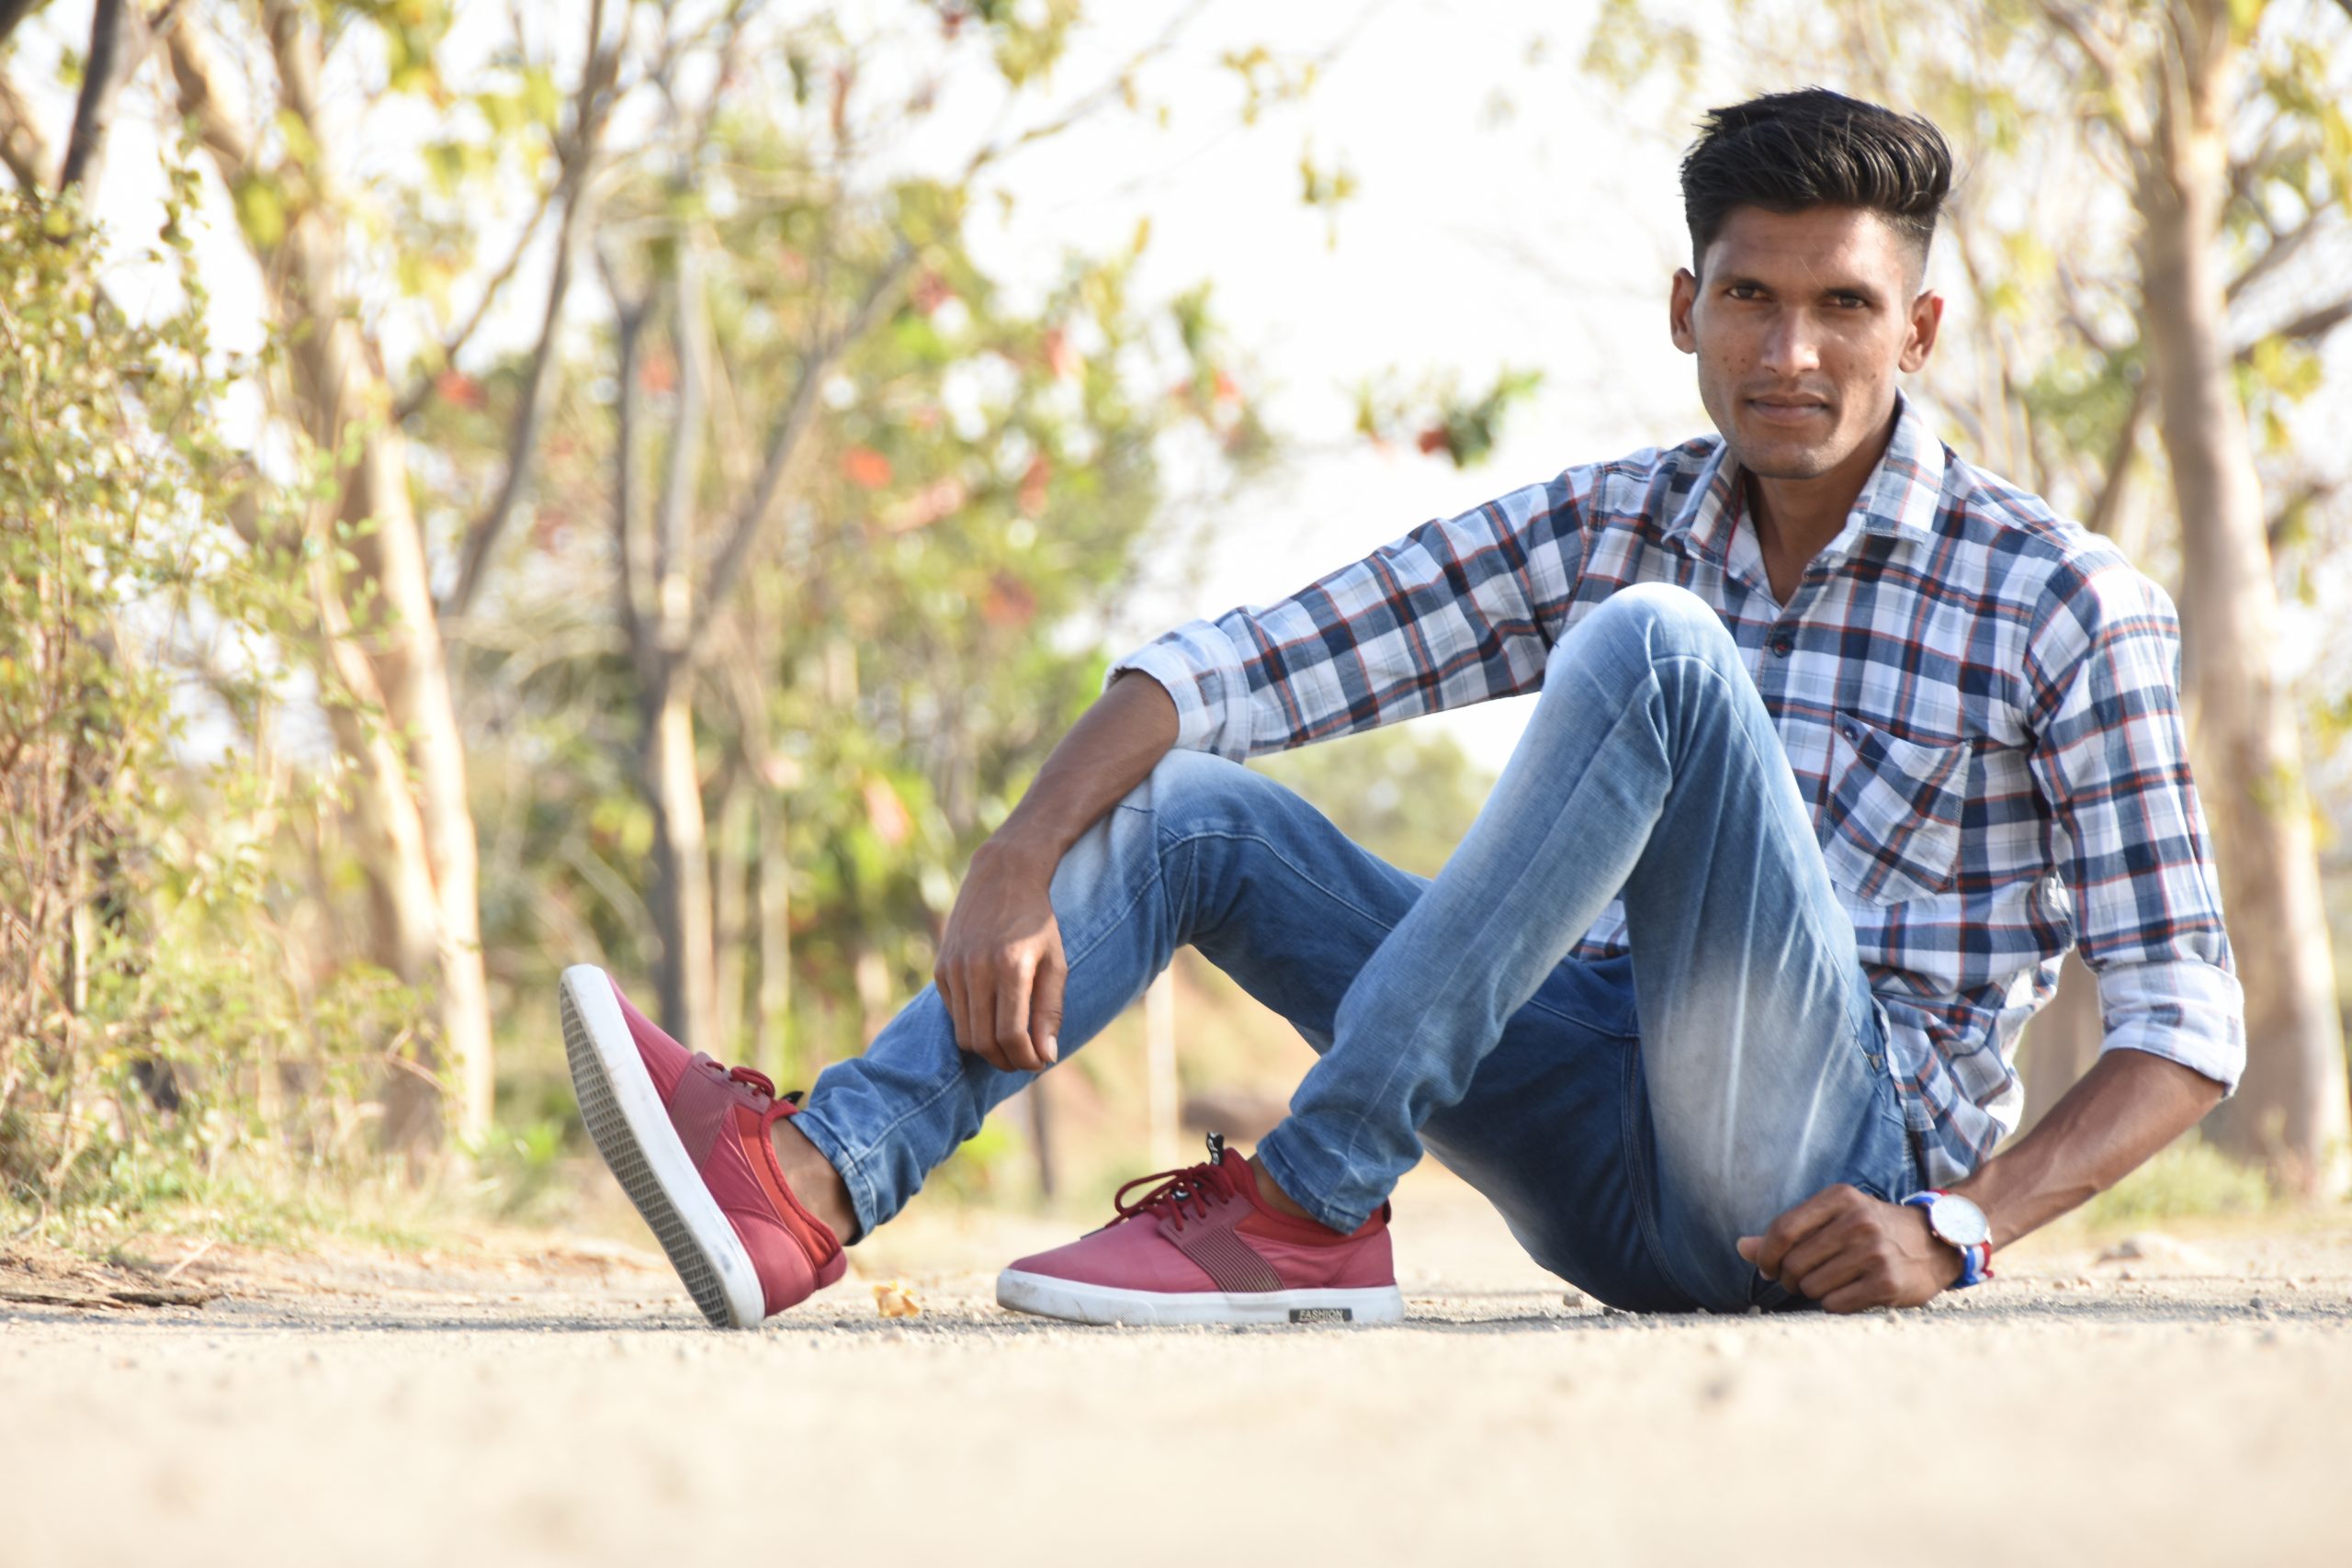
[1201, 669]
[2182, 1010]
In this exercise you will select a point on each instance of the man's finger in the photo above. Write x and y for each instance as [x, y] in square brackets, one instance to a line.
[1831, 1274]
[1833, 1239]
[946, 981]
[1010, 1018]
[1861, 1296]
[975, 1021]
[1046, 1007]
[1796, 1224]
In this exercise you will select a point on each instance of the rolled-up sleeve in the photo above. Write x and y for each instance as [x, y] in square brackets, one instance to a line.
[2110, 756]
[1456, 612]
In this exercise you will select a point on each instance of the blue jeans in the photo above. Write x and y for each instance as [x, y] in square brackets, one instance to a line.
[1631, 1117]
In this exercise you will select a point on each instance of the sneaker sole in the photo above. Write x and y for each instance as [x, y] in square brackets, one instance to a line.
[632, 1129]
[1074, 1303]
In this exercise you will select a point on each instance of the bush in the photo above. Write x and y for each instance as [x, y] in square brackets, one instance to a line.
[155, 1011]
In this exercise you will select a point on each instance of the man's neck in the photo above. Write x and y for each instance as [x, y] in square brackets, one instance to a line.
[1795, 519]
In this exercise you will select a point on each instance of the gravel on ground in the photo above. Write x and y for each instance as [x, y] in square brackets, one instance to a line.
[528, 1398]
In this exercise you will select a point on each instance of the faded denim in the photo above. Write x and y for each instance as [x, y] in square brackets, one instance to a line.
[1630, 1117]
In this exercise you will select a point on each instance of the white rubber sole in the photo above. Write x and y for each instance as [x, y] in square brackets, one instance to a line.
[632, 1130]
[1074, 1303]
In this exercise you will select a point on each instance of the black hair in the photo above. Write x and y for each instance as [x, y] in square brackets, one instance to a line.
[1787, 151]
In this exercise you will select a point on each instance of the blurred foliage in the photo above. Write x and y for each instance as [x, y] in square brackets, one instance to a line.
[2191, 1179]
[907, 642]
[188, 1018]
[1407, 793]
[142, 1044]
[1437, 416]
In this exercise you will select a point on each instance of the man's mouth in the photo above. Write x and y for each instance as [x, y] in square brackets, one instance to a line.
[1788, 411]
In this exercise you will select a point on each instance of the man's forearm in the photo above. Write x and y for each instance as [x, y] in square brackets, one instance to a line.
[2126, 1108]
[1112, 749]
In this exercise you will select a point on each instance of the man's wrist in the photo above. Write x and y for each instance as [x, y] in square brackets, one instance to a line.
[1022, 850]
[1963, 1231]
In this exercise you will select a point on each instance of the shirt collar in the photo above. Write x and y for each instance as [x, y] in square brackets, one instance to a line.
[1898, 501]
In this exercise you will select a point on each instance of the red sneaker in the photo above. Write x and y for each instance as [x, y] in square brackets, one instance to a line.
[688, 1139]
[1203, 1247]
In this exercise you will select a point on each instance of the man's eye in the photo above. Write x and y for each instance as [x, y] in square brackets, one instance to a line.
[1743, 291]
[1851, 301]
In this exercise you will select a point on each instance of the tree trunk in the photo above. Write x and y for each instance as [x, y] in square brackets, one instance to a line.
[2291, 1111]
[730, 897]
[423, 867]
[688, 983]
[772, 1027]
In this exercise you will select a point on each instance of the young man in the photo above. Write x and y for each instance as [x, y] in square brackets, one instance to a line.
[1841, 744]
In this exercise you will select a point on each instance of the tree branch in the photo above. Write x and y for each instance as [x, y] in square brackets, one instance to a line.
[798, 415]
[22, 146]
[11, 13]
[672, 577]
[2282, 248]
[593, 104]
[629, 325]
[196, 76]
[117, 37]
[420, 391]
[1113, 87]
[2307, 494]
[2309, 327]
[2108, 503]
[2112, 72]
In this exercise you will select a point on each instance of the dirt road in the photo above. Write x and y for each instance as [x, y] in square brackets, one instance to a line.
[547, 1402]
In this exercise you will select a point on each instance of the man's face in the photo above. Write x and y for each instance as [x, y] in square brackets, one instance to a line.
[1801, 322]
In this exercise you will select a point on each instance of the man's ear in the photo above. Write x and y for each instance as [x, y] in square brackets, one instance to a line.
[1926, 315]
[1679, 307]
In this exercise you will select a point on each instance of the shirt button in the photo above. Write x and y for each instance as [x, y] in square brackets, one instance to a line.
[1782, 643]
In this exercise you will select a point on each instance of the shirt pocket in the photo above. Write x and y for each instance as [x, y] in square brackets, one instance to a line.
[1891, 829]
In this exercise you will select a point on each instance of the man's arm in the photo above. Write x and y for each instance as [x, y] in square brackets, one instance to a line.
[1454, 613]
[1851, 1252]
[1001, 969]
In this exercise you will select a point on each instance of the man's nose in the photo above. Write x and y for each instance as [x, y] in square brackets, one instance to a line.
[1792, 346]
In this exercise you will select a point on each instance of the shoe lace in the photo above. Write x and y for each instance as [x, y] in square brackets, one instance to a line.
[1191, 1189]
[753, 1079]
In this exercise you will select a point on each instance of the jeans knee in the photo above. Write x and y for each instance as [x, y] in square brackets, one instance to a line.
[1636, 634]
[1659, 620]
[1186, 787]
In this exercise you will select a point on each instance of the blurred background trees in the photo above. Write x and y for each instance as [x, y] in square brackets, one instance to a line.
[700, 624]
[655, 519]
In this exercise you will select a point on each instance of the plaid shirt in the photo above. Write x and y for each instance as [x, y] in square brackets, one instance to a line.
[1980, 703]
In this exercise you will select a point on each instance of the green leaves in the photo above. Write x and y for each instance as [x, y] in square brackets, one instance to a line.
[137, 879]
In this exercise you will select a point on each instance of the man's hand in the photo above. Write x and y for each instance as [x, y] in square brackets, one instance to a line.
[1851, 1252]
[1001, 969]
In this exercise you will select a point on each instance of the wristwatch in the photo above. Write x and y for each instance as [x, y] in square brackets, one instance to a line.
[1957, 1223]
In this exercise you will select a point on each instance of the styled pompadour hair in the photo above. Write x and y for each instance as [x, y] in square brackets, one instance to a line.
[1787, 151]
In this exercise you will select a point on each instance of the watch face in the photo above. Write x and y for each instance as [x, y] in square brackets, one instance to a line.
[1957, 1221]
